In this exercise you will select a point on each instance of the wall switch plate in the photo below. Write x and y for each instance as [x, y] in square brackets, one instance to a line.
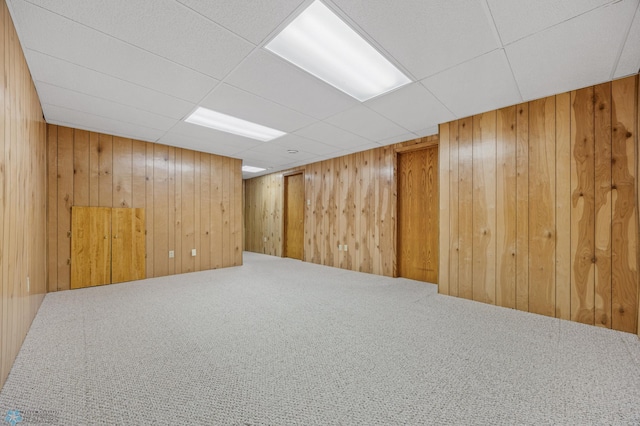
[308, 202]
[28, 285]
[172, 254]
[264, 239]
[193, 252]
[345, 247]
[339, 247]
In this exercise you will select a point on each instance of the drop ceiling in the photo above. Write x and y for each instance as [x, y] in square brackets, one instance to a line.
[138, 68]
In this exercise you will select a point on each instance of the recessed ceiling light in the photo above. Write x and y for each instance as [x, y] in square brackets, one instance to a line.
[319, 42]
[226, 123]
[292, 151]
[251, 169]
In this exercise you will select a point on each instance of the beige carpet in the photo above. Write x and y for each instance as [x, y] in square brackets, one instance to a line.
[281, 342]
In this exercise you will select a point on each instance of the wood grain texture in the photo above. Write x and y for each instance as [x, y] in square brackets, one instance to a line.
[294, 216]
[602, 204]
[81, 170]
[454, 199]
[506, 207]
[484, 207]
[624, 230]
[465, 207]
[522, 207]
[150, 202]
[122, 172]
[65, 201]
[563, 206]
[81, 254]
[100, 245]
[27, 217]
[105, 169]
[444, 244]
[542, 206]
[582, 207]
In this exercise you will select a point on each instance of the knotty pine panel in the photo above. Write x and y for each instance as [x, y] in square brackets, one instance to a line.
[25, 217]
[567, 205]
[166, 181]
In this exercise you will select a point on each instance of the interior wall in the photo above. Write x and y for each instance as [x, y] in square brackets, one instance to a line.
[350, 200]
[541, 205]
[22, 197]
[192, 200]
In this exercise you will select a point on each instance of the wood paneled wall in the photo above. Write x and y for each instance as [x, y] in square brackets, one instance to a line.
[349, 200]
[22, 197]
[192, 200]
[541, 201]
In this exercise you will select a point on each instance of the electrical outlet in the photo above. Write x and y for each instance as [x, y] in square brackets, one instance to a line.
[172, 254]
[28, 285]
[264, 239]
[193, 252]
[339, 247]
[308, 202]
[345, 247]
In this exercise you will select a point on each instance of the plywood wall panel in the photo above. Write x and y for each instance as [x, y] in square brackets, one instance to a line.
[122, 172]
[506, 205]
[160, 228]
[94, 166]
[465, 207]
[602, 204]
[216, 211]
[65, 202]
[237, 200]
[445, 217]
[81, 170]
[25, 218]
[582, 207]
[575, 198]
[624, 231]
[205, 210]
[52, 206]
[138, 184]
[149, 209]
[105, 170]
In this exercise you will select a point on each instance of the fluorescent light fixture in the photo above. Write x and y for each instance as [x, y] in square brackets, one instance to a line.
[226, 123]
[319, 42]
[251, 169]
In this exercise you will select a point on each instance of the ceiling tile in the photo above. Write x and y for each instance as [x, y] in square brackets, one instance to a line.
[73, 77]
[480, 85]
[272, 78]
[62, 38]
[202, 145]
[433, 130]
[53, 95]
[412, 107]
[366, 123]
[168, 29]
[82, 120]
[629, 62]
[238, 103]
[516, 19]
[397, 139]
[254, 20]
[293, 141]
[214, 137]
[425, 36]
[331, 135]
[571, 55]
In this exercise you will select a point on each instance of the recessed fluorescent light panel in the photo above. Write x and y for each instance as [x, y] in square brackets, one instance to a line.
[251, 169]
[226, 123]
[319, 42]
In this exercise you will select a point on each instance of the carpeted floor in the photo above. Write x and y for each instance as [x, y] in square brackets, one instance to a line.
[280, 342]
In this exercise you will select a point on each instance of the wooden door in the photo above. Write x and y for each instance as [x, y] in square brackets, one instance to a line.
[90, 246]
[418, 215]
[128, 245]
[294, 216]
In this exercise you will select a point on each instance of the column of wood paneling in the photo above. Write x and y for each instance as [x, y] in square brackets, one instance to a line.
[522, 207]
[160, 211]
[465, 207]
[444, 242]
[454, 179]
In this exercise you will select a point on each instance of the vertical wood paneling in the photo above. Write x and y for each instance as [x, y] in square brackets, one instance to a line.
[506, 207]
[563, 206]
[522, 207]
[465, 209]
[149, 208]
[204, 249]
[582, 206]
[216, 212]
[105, 170]
[624, 250]
[188, 213]
[484, 207]
[198, 212]
[454, 179]
[344, 200]
[236, 173]
[81, 170]
[445, 217]
[94, 166]
[65, 201]
[352, 212]
[138, 185]
[602, 201]
[171, 262]
[122, 155]
[226, 235]
[26, 218]
[160, 228]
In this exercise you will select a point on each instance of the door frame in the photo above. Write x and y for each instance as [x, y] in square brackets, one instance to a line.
[430, 142]
[285, 202]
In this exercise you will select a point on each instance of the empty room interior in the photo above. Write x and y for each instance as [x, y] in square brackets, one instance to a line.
[319, 212]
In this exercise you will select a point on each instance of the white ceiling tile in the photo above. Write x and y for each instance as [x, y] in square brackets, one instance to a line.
[397, 139]
[331, 135]
[293, 141]
[53, 95]
[425, 36]
[253, 20]
[82, 120]
[214, 137]
[272, 78]
[172, 31]
[412, 107]
[238, 103]
[516, 19]
[433, 130]
[62, 38]
[73, 77]
[629, 62]
[202, 145]
[571, 55]
[275, 152]
[480, 85]
[366, 123]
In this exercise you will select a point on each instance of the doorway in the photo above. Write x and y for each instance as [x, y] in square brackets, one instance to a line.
[418, 214]
[294, 216]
